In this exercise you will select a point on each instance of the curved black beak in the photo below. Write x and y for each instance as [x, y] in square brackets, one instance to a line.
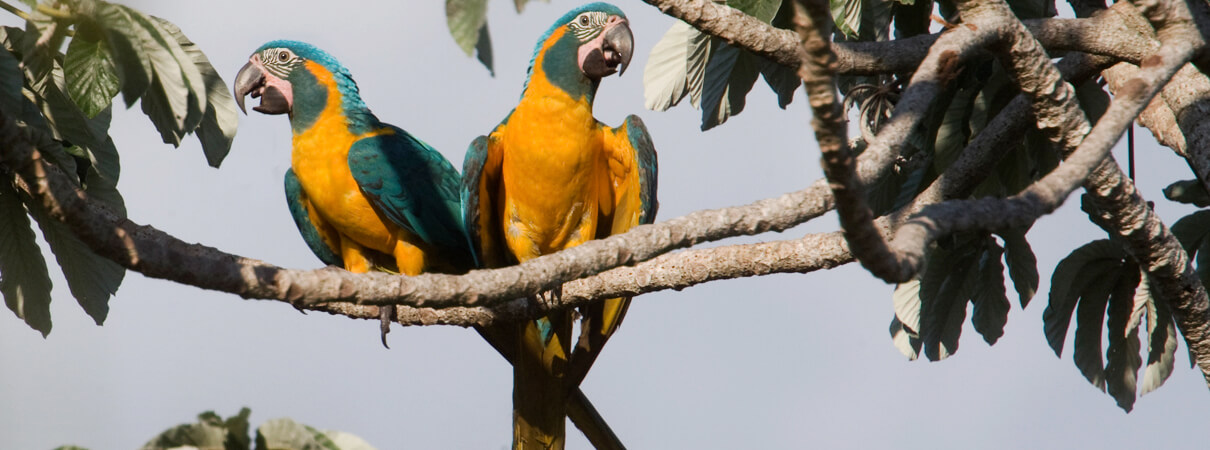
[250, 80]
[619, 45]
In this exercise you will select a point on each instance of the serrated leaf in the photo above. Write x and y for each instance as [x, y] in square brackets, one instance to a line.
[730, 74]
[944, 293]
[284, 433]
[24, 280]
[1122, 356]
[202, 435]
[906, 300]
[91, 278]
[764, 10]
[1073, 276]
[483, 50]
[1022, 264]
[11, 79]
[907, 341]
[177, 79]
[675, 67]
[237, 431]
[783, 80]
[991, 305]
[129, 43]
[1192, 230]
[1090, 320]
[1161, 344]
[847, 16]
[46, 81]
[347, 441]
[467, 22]
[1188, 191]
[92, 80]
[221, 119]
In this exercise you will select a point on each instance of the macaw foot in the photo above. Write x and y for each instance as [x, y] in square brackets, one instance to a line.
[386, 314]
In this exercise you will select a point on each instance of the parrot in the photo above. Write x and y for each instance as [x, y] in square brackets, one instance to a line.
[365, 195]
[549, 177]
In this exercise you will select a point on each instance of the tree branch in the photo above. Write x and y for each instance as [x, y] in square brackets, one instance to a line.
[1104, 35]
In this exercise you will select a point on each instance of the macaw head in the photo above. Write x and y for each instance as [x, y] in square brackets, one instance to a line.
[295, 78]
[588, 43]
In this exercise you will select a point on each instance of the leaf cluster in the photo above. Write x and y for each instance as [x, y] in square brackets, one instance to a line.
[66, 94]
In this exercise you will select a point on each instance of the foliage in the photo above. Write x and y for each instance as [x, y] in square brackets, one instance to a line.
[67, 93]
[213, 432]
[713, 74]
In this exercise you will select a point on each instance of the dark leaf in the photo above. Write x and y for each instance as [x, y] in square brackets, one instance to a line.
[11, 78]
[24, 280]
[1122, 368]
[467, 20]
[991, 305]
[1188, 191]
[1090, 319]
[907, 341]
[92, 279]
[221, 119]
[92, 80]
[1074, 277]
[1022, 264]
[285, 433]
[238, 437]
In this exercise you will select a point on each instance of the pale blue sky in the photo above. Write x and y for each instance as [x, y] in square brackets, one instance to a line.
[787, 361]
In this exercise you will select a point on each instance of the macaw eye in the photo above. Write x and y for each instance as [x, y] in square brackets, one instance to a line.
[584, 20]
[283, 56]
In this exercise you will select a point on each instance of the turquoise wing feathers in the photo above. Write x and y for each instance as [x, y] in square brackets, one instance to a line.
[296, 198]
[412, 184]
[648, 170]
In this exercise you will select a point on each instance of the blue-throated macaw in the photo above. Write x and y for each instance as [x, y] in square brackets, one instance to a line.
[363, 193]
[551, 177]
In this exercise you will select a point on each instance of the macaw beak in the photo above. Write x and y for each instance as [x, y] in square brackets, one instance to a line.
[275, 94]
[613, 48]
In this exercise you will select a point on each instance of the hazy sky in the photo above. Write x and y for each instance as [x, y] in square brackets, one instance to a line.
[787, 361]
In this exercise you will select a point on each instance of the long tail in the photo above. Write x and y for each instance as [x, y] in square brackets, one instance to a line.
[599, 322]
[539, 392]
[504, 338]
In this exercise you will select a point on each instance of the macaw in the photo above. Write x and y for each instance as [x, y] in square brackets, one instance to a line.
[364, 194]
[551, 177]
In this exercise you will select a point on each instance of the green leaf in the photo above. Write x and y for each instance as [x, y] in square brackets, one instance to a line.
[1090, 317]
[760, 9]
[467, 21]
[906, 300]
[991, 305]
[944, 293]
[1022, 264]
[730, 74]
[23, 276]
[130, 44]
[92, 80]
[11, 79]
[1033, 9]
[1161, 342]
[285, 433]
[847, 15]
[347, 441]
[783, 80]
[46, 82]
[1077, 276]
[1093, 99]
[907, 341]
[676, 67]
[1188, 191]
[1121, 370]
[221, 119]
[237, 431]
[197, 435]
[91, 278]
[1192, 231]
[483, 50]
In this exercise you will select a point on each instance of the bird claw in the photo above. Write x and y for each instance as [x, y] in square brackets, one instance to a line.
[386, 314]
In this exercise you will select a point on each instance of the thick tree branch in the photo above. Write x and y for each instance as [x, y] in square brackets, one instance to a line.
[1100, 35]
